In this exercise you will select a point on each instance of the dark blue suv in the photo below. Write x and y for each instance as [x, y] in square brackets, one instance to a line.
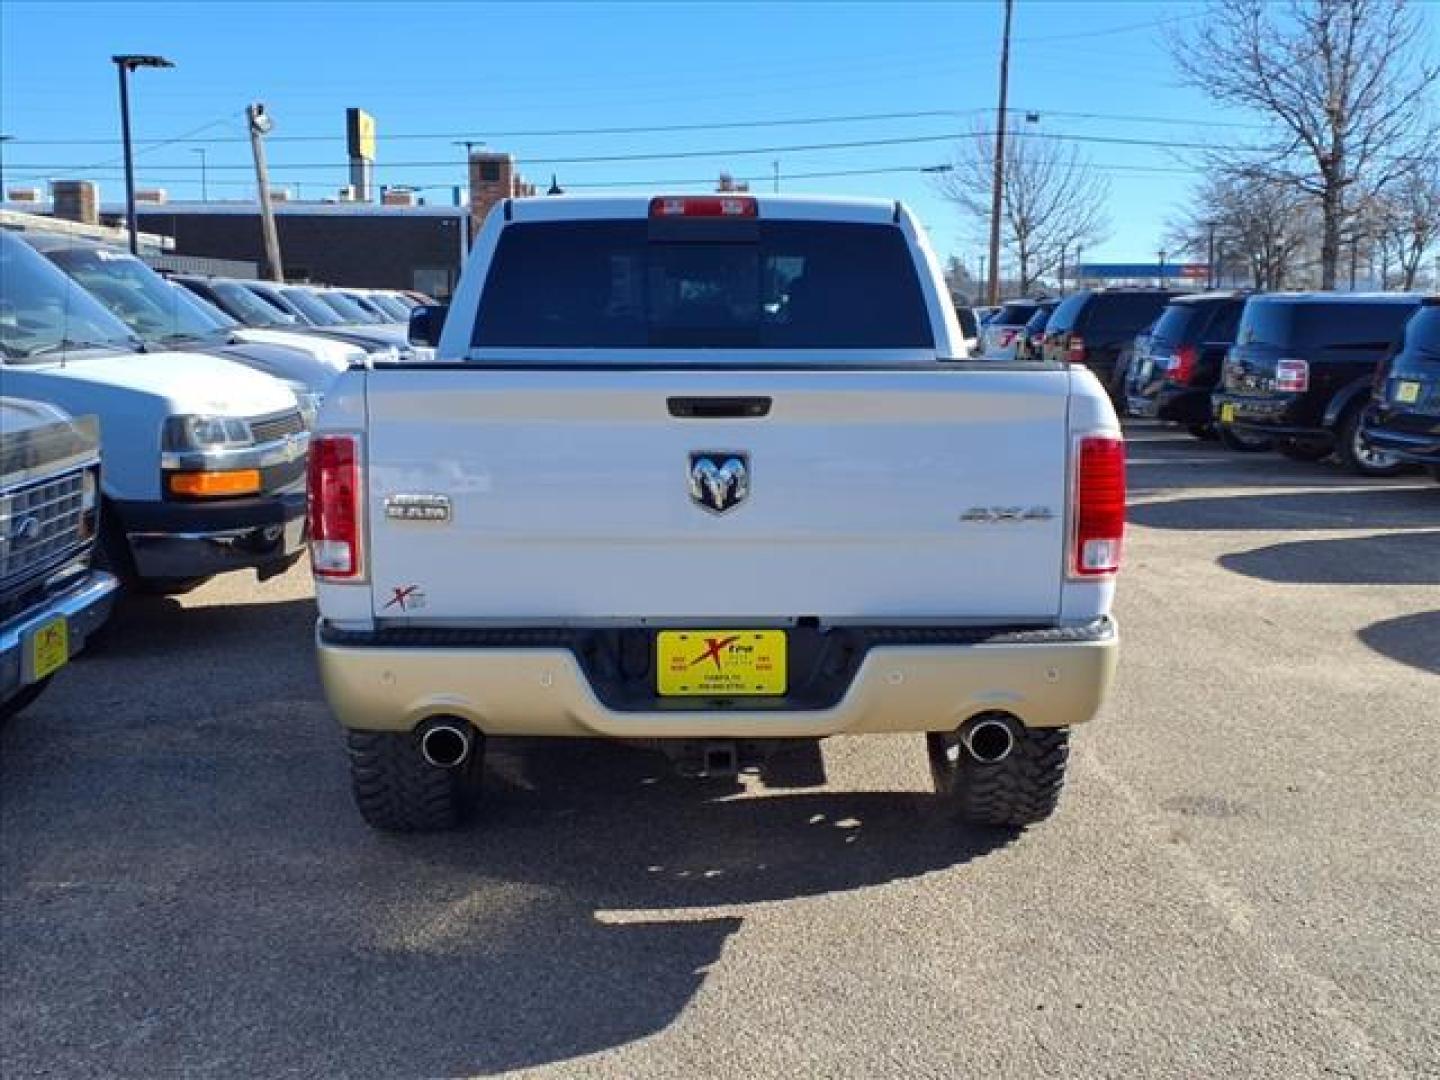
[1404, 415]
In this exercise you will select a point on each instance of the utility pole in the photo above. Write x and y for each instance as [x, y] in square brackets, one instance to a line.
[124, 64]
[1160, 280]
[1210, 277]
[204, 187]
[1062, 269]
[776, 166]
[997, 195]
[260, 125]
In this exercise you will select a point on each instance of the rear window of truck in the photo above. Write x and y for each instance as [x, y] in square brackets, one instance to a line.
[773, 285]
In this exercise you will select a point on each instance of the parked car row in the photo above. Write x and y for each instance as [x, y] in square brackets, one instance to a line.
[1306, 374]
[201, 418]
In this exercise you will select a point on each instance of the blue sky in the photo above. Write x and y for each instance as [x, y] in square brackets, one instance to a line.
[509, 74]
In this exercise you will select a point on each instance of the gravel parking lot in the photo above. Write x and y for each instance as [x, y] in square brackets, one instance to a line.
[1241, 880]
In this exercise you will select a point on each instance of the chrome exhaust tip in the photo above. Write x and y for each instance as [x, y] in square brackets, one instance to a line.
[446, 744]
[988, 739]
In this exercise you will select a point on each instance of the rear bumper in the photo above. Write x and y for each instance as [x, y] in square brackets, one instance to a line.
[1274, 417]
[1046, 679]
[1181, 406]
[84, 606]
[188, 540]
[1407, 446]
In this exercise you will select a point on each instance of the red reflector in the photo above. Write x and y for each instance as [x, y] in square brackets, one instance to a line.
[1007, 335]
[1099, 505]
[334, 506]
[1182, 366]
[704, 206]
[1075, 351]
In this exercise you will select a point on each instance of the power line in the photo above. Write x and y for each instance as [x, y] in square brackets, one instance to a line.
[744, 151]
[661, 129]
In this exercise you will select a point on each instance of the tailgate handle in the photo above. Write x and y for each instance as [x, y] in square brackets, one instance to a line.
[718, 408]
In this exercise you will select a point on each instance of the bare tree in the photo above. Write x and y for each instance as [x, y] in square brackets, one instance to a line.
[1054, 200]
[1249, 222]
[1344, 86]
[1406, 223]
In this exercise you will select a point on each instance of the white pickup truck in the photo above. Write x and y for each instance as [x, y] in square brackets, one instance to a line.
[705, 473]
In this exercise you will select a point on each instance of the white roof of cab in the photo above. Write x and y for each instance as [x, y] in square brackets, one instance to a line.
[792, 207]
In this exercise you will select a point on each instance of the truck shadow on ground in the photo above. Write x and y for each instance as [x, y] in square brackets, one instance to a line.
[188, 889]
[1409, 507]
[1410, 639]
[1405, 558]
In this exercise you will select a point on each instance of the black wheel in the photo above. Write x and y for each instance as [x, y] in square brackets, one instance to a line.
[398, 791]
[1240, 443]
[1355, 451]
[24, 699]
[1022, 789]
[1303, 450]
[1202, 431]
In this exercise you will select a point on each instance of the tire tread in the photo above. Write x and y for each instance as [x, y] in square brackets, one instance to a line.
[396, 791]
[1022, 790]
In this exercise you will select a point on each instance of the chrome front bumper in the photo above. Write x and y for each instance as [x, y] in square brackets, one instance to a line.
[85, 606]
[268, 549]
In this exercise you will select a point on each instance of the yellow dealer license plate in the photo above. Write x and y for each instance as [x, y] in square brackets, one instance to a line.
[720, 663]
[1227, 413]
[1407, 393]
[49, 648]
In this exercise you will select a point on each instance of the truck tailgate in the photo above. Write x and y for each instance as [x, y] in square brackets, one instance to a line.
[871, 494]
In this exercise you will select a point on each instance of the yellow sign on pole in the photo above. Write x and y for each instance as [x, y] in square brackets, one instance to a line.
[360, 133]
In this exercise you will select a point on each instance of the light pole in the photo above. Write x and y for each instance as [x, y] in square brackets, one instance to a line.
[204, 187]
[124, 64]
[3, 140]
[1160, 281]
[469, 145]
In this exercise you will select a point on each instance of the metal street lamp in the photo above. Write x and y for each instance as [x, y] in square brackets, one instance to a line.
[469, 145]
[204, 187]
[1161, 281]
[124, 64]
[3, 140]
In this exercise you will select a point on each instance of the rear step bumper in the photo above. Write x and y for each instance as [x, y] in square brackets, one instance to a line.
[1046, 679]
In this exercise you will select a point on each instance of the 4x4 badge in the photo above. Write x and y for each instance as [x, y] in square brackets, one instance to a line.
[719, 480]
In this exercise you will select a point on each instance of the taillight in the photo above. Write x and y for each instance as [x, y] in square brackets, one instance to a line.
[1099, 504]
[1075, 349]
[1007, 335]
[334, 507]
[1292, 376]
[664, 206]
[1182, 364]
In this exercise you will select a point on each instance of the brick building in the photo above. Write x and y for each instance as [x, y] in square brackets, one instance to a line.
[493, 178]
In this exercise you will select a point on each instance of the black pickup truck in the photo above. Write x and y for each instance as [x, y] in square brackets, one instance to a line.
[1301, 373]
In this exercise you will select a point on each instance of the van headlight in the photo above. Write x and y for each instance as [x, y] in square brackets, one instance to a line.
[207, 433]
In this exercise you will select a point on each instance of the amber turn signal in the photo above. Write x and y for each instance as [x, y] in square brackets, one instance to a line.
[211, 484]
